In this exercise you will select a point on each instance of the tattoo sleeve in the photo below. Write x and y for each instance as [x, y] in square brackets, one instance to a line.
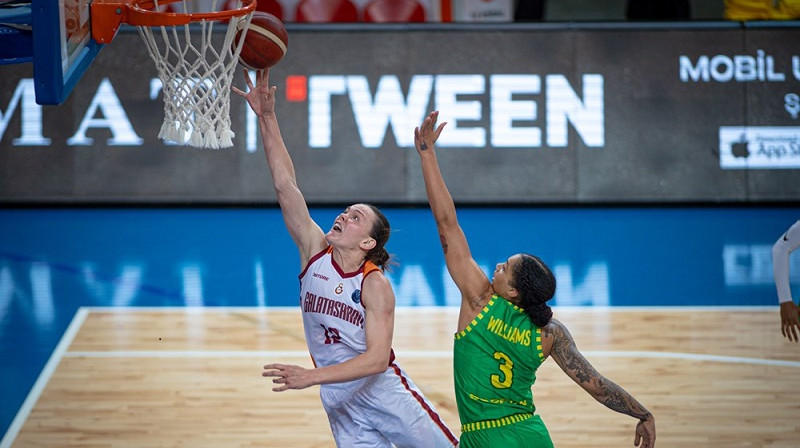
[565, 353]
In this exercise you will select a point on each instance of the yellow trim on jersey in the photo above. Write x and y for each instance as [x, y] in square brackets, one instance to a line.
[539, 343]
[474, 322]
[485, 424]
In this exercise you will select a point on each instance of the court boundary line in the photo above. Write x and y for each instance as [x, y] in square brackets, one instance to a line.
[44, 377]
[429, 353]
[418, 354]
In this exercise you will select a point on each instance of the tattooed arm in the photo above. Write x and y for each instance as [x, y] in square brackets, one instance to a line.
[565, 353]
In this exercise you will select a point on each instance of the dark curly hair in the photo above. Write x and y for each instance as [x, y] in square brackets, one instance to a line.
[536, 285]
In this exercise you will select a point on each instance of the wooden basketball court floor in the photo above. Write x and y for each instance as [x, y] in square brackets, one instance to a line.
[191, 377]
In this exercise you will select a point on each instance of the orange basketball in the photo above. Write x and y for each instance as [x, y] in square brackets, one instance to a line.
[265, 41]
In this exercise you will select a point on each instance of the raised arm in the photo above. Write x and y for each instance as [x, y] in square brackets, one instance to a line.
[307, 235]
[467, 275]
[565, 353]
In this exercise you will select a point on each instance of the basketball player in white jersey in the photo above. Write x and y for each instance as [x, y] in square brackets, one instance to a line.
[788, 242]
[348, 312]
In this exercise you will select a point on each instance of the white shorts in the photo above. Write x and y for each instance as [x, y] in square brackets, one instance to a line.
[382, 411]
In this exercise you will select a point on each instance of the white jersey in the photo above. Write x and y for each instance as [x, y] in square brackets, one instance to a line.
[333, 315]
[787, 243]
[386, 410]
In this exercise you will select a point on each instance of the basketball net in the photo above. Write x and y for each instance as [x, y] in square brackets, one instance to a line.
[196, 70]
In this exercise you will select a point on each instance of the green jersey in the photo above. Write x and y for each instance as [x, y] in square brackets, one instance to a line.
[495, 361]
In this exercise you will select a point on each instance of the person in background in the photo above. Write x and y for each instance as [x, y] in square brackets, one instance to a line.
[347, 306]
[790, 318]
[506, 331]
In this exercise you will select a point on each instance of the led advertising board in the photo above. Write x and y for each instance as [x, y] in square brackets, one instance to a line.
[568, 115]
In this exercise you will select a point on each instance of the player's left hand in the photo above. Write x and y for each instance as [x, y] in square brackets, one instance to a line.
[427, 134]
[790, 320]
[646, 433]
[290, 376]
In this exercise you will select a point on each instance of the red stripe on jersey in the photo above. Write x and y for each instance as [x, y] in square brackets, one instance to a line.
[312, 260]
[433, 415]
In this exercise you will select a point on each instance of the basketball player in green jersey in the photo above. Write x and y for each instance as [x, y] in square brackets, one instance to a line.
[505, 332]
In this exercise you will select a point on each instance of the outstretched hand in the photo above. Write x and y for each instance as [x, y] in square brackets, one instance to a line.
[427, 134]
[290, 376]
[260, 97]
[790, 320]
[646, 433]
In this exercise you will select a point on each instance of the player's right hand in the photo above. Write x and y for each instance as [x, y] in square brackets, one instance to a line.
[790, 321]
[646, 433]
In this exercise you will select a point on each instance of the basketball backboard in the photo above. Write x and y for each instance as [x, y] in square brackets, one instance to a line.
[62, 47]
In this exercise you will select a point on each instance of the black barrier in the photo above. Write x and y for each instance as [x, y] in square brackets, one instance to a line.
[550, 113]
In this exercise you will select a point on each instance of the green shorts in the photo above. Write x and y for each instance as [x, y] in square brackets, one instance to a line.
[530, 433]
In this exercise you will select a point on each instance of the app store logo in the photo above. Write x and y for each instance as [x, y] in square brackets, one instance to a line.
[752, 147]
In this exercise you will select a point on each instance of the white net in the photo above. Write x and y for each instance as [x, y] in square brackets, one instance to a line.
[196, 66]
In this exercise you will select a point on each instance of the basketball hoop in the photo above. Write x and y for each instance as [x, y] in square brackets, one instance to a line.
[195, 67]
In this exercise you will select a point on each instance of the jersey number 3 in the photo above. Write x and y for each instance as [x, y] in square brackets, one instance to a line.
[503, 380]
